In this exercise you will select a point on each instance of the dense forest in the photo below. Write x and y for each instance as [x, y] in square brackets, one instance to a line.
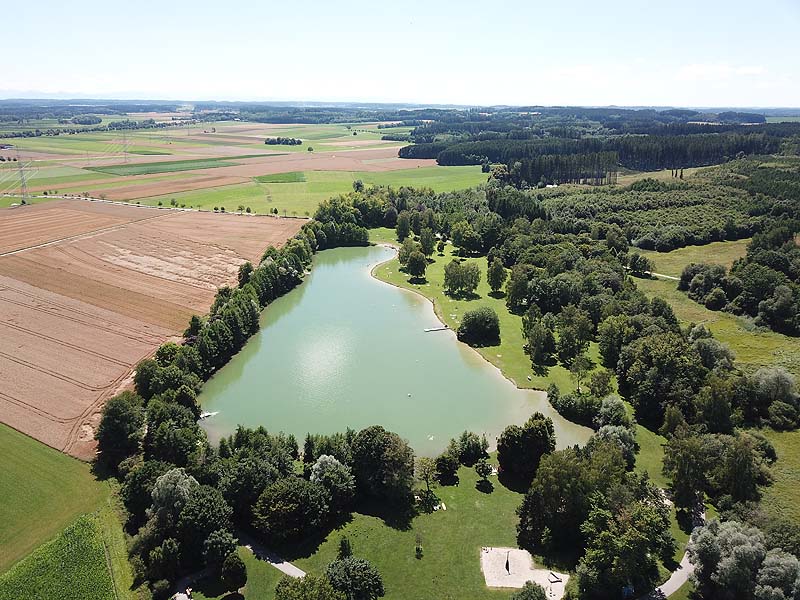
[541, 146]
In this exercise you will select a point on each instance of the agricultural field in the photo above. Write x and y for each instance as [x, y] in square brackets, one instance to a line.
[73, 565]
[299, 192]
[91, 288]
[43, 491]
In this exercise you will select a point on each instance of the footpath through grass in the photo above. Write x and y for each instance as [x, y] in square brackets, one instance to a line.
[42, 491]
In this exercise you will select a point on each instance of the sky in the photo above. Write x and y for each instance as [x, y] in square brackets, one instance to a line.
[699, 53]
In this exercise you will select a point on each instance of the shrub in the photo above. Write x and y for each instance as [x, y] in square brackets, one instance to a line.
[480, 327]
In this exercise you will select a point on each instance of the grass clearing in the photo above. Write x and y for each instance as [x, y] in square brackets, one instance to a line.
[782, 496]
[73, 565]
[754, 348]
[672, 263]
[43, 490]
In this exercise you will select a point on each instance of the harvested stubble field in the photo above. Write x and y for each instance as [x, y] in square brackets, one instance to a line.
[87, 289]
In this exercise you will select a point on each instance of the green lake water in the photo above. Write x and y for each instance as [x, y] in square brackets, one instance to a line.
[344, 349]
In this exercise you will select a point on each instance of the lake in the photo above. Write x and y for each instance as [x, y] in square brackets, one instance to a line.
[344, 349]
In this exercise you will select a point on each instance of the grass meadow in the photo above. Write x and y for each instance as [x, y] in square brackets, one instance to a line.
[43, 491]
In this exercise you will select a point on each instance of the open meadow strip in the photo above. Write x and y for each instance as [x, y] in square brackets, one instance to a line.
[88, 289]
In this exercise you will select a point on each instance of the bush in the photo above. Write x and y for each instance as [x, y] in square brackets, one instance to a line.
[480, 327]
[234, 572]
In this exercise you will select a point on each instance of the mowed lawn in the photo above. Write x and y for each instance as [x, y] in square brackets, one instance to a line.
[300, 196]
[722, 253]
[451, 541]
[509, 355]
[42, 491]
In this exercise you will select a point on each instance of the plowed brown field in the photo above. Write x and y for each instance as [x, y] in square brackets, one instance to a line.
[87, 289]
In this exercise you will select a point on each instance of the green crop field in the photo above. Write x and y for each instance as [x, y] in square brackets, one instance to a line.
[72, 566]
[42, 491]
[291, 177]
[672, 263]
[171, 166]
[303, 197]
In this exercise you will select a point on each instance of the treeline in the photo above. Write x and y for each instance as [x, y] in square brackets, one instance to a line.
[112, 126]
[597, 168]
[184, 497]
[645, 153]
[283, 141]
[82, 120]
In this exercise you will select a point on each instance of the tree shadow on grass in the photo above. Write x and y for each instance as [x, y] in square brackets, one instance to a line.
[397, 515]
[513, 483]
[498, 295]
[212, 587]
[417, 280]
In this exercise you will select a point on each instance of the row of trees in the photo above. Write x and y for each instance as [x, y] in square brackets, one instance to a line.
[283, 141]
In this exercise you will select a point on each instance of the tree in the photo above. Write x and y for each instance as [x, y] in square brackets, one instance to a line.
[464, 237]
[623, 437]
[145, 372]
[245, 272]
[471, 448]
[440, 247]
[356, 578]
[427, 240]
[541, 341]
[383, 464]
[483, 469]
[612, 412]
[480, 326]
[658, 371]
[520, 449]
[425, 471]
[407, 248]
[171, 492]
[309, 587]
[416, 264]
[218, 545]
[234, 572]
[205, 512]
[403, 227]
[496, 275]
[727, 557]
[530, 591]
[337, 479]
[685, 466]
[291, 508]
[121, 427]
[600, 383]
[580, 367]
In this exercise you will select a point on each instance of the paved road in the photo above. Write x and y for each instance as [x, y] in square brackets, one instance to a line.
[276, 561]
[662, 276]
[679, 576]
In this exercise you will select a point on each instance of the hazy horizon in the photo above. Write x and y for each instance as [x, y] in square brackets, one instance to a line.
[576, 53]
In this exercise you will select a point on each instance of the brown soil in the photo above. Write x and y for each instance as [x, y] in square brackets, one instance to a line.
[88, 289]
